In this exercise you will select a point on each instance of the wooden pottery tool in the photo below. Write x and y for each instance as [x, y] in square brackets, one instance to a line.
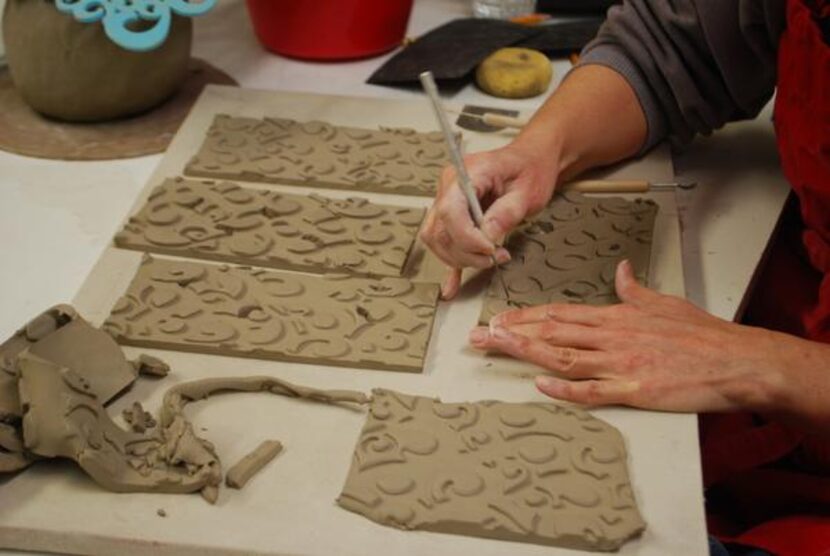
[623, 186]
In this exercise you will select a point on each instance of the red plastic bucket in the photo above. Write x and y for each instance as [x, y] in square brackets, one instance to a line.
[330, 29]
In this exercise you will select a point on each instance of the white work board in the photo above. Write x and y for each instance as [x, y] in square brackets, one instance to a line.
[289, 508]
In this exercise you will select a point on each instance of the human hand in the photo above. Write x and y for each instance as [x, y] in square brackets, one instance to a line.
[512, 183]
[661, 352]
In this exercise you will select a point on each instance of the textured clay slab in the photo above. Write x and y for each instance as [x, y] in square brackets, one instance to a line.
[569, 252]
[244, 312]
[223, 221]
[275, 150]
[534, 472]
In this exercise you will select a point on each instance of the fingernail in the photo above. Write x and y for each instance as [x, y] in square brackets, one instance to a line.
[499, 333]
[495, 321]
[446, 288]
[478, 335]
[492, 230]
[544, 382]
[502, 255]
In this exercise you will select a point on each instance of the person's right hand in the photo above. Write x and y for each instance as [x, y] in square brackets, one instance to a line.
[511, 182]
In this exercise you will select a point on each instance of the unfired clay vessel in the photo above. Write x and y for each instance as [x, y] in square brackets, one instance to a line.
[72, 71]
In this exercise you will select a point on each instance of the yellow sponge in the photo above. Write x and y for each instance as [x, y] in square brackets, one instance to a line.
[514, 73]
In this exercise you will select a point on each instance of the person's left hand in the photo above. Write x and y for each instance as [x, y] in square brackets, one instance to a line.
[653, 351]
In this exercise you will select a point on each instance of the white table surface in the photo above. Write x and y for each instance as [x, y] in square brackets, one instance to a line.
[56, 217]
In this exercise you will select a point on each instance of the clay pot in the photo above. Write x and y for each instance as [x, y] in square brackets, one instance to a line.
[72, 71]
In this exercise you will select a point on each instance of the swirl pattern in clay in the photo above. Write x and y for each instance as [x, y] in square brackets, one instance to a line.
[247, 312]
[569, 252]
[223, 221]
[279, 150]
[531, 472]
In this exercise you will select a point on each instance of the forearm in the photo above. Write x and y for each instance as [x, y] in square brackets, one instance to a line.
[802, 392]
[593, 119]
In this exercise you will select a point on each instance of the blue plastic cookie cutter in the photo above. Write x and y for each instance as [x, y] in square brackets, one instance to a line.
[118, 15]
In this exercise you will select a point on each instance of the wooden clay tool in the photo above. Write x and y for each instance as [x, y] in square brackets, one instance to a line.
[622, 186]
[455, 155]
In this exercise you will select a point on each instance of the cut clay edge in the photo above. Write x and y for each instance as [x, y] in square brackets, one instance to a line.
[483, 319]
[412, 191]
[263, 354]
[119, 240]
[360, 507]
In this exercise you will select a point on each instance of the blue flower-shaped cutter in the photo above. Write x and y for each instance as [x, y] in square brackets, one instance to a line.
[118, 15]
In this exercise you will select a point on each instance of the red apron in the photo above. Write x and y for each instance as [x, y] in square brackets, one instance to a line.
[768, 485]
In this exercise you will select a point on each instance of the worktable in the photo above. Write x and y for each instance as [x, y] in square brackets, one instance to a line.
[56, 217]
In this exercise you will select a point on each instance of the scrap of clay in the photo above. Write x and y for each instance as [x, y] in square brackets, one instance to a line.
[245, 312]
[64, 418]
[277, 150]
[147, 365]
[569, 252]
[533, 472]
[242, 472]
[138, 419]
[61, 336]
[226, 222]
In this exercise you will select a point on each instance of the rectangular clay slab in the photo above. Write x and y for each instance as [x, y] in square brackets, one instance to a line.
[569, 252]
[223, 221]
[244, 312]
[279, 150]
[532, 472]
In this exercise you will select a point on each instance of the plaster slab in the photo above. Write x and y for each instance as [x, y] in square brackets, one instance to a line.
[286, 511]
[280, 150]
[568, 253]
[223, 221]
[540, 473]
[223, 310]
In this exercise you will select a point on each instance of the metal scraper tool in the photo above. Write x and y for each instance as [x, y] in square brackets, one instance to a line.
[455, 154]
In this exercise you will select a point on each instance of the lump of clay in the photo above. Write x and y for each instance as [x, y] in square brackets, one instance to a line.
[62, 417]
[60, 335]
[242, 472]
[72, 71]
[532, 472]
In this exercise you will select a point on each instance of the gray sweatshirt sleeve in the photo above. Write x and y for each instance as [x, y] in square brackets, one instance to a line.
[693, 64]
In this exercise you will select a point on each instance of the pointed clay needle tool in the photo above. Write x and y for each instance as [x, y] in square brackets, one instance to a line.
[455, 155]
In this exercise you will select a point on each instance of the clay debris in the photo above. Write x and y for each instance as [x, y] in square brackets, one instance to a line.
[61, 336]
[61, 415]
[243, 470]
[138, 419]
[279, 150]
[569, 252]
[239, 311]
[226, 222]
[58, 338]
[531, 472]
